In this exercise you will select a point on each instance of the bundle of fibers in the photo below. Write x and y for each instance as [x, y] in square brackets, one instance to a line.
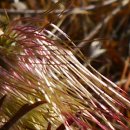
[44, 85]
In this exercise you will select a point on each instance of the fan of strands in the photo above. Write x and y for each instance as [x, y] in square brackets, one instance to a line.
[37, 65]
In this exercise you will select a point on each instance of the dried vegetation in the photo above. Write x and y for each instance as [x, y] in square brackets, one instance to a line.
[53, 56]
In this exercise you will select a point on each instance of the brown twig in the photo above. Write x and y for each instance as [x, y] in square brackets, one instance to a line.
[58, 11]
[99, 25]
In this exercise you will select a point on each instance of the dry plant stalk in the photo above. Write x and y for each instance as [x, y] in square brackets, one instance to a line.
[36, 67]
